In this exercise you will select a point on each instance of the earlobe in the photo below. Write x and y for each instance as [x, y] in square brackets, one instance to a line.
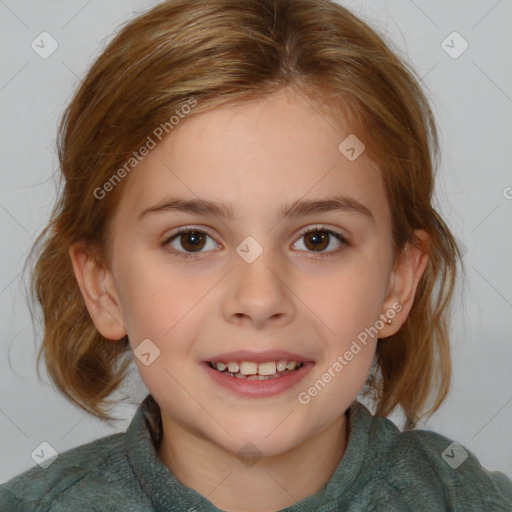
[404, 281]
[96, 285]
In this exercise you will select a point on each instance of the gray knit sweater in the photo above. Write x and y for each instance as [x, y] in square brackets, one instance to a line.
[382, 470]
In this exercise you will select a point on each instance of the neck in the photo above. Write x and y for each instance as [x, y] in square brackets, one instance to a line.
[270, 483]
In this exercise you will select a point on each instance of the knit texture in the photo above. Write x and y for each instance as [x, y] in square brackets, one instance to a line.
[382, 470]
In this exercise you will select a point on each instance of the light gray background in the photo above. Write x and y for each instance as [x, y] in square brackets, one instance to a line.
[472, 98]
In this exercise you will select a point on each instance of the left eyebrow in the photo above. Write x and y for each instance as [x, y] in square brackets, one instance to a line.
[337, 203]
[296, 209]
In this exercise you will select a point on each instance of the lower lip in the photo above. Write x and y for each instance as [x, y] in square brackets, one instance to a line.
[258, 388]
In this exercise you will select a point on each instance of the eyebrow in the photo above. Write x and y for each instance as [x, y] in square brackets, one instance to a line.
[296, 209]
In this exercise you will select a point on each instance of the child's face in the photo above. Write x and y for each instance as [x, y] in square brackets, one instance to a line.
[258, 158]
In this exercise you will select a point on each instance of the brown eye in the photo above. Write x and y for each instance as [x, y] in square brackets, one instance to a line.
[318, 239]
[192, 240]
[189, 242]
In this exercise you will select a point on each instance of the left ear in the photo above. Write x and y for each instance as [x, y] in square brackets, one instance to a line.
[404, 280]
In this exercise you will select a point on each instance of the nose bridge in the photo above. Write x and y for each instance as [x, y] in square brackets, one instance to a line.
[261, 271]
[257, 291]
[257, 278]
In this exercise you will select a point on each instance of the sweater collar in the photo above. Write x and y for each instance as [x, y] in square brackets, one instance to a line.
[167, 493]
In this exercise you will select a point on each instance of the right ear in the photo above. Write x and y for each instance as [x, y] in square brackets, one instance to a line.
[98, 290]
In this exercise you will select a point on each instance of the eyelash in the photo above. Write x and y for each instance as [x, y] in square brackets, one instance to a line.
[318, 227]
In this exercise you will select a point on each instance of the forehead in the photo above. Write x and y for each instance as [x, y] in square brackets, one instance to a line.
[257, 156]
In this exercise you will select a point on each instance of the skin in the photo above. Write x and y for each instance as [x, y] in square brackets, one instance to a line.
[257, 156]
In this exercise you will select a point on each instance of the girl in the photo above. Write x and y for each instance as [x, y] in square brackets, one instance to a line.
[247, 214]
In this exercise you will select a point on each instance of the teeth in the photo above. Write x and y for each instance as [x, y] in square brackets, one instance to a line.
[233, 367]
[250, 369]
[281, 366]
[267, 368]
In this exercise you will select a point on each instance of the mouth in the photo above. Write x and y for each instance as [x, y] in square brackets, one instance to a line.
[257, 375]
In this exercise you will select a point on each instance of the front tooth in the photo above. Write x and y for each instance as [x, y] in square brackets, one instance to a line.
[267, 368]
[248, 368]
[291, 365]
[233, 367]
[281, 366]
[221, 366]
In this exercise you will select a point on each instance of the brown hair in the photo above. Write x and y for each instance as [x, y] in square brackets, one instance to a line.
[230, 51]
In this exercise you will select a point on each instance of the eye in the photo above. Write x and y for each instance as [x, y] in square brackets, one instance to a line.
[318, 238]
[191, 239]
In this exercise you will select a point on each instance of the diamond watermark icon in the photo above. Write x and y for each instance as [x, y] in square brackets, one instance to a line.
[44, 45]
[249, 249]
[249, 455]
[351, 147]
[44, 455]
[146, 352]
[454, 455]
[454, 45]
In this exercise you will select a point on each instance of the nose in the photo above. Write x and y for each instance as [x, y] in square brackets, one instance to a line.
[258, 294]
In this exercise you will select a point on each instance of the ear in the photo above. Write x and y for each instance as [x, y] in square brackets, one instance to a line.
[99, 293]
[403, 282]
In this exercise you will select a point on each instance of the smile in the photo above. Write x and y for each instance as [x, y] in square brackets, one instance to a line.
[249, 374]
[257, 371]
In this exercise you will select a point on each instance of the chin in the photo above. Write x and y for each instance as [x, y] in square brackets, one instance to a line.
[262, 440]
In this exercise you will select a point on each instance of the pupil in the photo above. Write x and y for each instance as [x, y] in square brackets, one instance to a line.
[318, 238]
[192, 239]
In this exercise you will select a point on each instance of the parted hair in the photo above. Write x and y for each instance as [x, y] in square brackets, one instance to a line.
[220, 52]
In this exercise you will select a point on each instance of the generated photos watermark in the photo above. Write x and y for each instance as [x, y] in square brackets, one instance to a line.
[158, 133]
[304, 397]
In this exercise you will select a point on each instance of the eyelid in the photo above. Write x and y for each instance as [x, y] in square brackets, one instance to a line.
[191, 227]
[186, 229]
[322, 227]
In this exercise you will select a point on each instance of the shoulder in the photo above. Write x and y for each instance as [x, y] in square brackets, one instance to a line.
[420, 465]
[67, 482]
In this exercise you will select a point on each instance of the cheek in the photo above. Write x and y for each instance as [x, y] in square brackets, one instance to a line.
[154, 297]
[347, 296]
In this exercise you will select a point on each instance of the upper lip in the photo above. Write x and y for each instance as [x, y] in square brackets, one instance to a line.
[257, 357]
